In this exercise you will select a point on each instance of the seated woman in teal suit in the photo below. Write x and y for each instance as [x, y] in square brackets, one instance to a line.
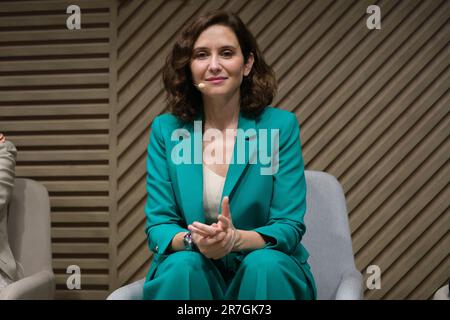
[228, 229]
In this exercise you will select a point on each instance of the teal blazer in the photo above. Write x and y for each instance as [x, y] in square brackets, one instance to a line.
[272, 205]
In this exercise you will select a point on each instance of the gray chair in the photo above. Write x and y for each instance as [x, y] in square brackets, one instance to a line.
[30, 241]
[327, 239]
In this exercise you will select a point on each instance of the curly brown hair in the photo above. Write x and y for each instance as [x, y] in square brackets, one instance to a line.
[184, 100]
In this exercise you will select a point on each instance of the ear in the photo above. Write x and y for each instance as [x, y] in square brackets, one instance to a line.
[248, 66]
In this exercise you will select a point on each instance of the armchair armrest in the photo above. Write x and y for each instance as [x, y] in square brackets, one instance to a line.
[350, 287]
[132, 291]
[39, 286]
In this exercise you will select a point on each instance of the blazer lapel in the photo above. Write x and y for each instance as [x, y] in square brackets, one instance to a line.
[237, 167]
[190, 176]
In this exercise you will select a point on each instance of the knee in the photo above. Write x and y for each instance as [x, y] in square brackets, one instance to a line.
[187, 261]
[267, 259]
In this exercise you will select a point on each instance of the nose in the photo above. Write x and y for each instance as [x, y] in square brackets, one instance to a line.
[214, 65]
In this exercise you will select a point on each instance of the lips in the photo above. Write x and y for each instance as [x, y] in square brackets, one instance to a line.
[216, 78]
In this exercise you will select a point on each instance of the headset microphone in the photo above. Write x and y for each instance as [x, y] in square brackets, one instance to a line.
[201, 85]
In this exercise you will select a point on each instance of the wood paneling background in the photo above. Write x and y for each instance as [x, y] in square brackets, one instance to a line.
[372, 105]
[55, 106]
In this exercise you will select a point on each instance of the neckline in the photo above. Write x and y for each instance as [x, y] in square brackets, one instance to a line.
[214, 172]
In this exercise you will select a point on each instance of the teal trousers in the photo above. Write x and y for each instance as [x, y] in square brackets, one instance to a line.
[263, 274]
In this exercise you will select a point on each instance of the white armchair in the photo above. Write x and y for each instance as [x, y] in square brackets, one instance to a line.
[30, 241]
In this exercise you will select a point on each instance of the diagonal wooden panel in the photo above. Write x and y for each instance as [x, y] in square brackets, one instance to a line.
[126, 11]
[388, 212]
[412, 259]
[382, 171]
[134, 34]
[402, 231]
[436, 278]
[378, 113]
[379, 102]
[324, 107]
[313, 24]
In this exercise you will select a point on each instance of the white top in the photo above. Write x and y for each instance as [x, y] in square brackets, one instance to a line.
[212, 193]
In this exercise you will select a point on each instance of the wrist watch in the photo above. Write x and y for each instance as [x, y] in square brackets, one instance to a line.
[189, 245]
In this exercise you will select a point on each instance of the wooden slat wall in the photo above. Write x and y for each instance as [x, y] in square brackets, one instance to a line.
[372, 104]
[54, 105]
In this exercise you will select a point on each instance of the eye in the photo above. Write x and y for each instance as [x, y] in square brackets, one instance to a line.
[227, 53]
[200, 55]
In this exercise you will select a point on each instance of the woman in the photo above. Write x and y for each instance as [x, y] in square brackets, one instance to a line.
[219, 225]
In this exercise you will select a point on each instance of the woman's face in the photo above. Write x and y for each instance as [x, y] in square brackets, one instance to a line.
[218, 62]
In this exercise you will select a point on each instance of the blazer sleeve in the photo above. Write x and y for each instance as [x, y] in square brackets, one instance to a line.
[163, 220]
[285, 225]
[8, 154]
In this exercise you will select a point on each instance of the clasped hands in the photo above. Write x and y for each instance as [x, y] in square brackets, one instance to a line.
[217, 240]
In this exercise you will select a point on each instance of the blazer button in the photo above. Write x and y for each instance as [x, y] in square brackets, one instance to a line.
[156, 249]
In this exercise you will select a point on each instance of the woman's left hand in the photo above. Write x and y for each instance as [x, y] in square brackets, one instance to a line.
[217, 240]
